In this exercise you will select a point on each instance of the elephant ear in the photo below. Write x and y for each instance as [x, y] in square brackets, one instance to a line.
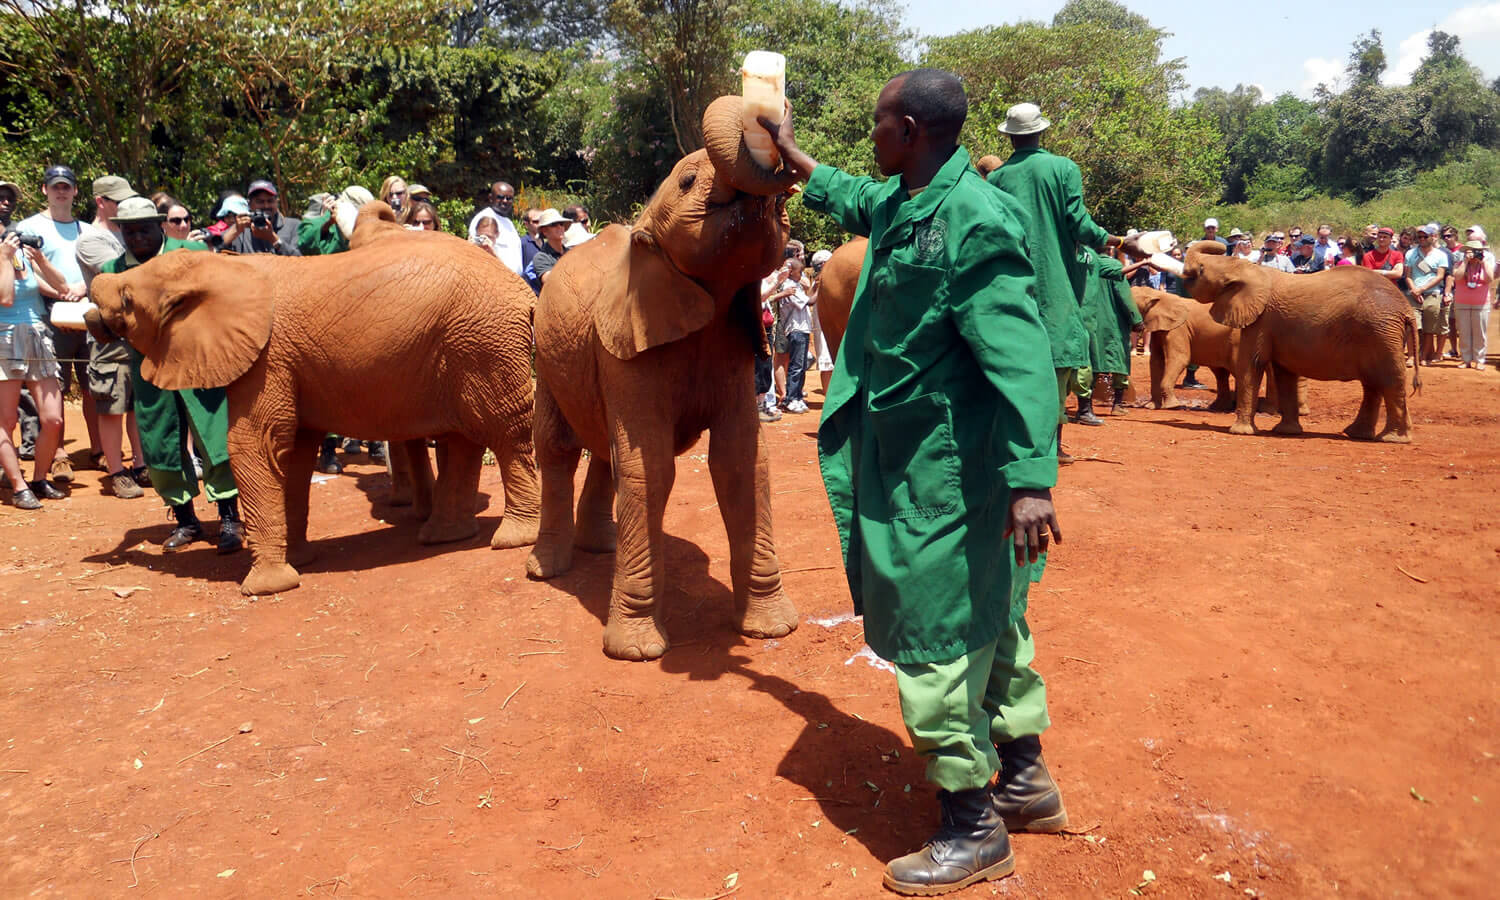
[647, 301]
[1242, 292]
[211, 318]
[1166, 313]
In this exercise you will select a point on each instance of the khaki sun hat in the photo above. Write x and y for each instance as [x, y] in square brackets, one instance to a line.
[551, 216]
[113, 187]
[1024, 118]
[137, 209]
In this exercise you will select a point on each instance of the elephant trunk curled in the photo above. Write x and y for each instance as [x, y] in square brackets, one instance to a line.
[724, 139]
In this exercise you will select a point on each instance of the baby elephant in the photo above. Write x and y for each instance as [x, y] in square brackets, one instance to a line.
[409, 335]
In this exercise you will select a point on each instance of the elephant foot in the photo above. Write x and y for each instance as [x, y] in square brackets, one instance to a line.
[549, 558]
[299, 555]
[1242, 428]
[595, 537]
[1287, 426]
[1174, 403]
[269, 578]
[436, 531]
[514, 532]
[636, 638]
[770, 617]
[1221, 406]
[1395, 437]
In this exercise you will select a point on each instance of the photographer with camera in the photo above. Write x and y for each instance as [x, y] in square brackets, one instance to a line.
[1474, 275]
[263, 229]
[27, 358]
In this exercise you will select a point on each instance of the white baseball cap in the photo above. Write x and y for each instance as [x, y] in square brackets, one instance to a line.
[1210, 223]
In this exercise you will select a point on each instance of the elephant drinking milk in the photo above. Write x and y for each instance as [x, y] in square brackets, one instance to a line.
[646, 337]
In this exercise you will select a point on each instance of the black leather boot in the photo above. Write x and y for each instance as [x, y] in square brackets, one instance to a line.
[1064, 458]
[188, 528]
[1118, 407]
[377, 452]
[970, 846]
[231, 530]
[1086, 412]
[329, 464]
[1025, 794]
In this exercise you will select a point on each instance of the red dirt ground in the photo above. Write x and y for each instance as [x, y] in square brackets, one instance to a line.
[1249, 696]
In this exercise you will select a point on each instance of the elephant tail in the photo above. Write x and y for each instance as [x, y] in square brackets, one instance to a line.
[1409, 333]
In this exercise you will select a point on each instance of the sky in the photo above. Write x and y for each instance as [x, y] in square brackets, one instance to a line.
[1224, 45]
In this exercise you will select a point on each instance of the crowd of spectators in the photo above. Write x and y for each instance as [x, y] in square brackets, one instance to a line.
[1449, 281]
[54, 255]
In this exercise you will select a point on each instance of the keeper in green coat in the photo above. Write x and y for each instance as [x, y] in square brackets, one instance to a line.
[166, 418]
[1050, 190]
[1112, 320]
[938, 449]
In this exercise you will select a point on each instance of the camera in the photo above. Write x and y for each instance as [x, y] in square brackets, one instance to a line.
[215, 242]
[1476, 254]
[259, 219]
[26, 238]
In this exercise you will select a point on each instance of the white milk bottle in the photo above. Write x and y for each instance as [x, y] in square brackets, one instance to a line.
[763, 94]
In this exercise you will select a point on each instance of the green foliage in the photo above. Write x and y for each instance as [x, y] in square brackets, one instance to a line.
[1110, 104]
[1105, 13]
[1275, 183]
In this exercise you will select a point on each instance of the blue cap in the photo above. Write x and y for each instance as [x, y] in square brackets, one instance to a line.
[1307, 239]
[233, 206]
[56, 174]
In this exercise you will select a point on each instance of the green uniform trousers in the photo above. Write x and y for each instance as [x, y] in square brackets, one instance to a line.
[957, 711]
[1082, 382]
[177, 488]
[1064, 378]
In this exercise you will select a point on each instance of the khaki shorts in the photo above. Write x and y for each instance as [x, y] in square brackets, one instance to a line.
[110, 385]
[26, 353]
[1429, 309]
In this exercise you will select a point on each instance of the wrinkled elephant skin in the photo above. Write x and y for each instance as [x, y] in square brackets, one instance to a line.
[406, 336]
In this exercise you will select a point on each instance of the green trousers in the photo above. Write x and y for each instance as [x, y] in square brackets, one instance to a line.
[1082, 382]
[177, 488]
[957, 711]
[1064, 378]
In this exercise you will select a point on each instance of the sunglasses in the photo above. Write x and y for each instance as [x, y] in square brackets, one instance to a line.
[180, 220]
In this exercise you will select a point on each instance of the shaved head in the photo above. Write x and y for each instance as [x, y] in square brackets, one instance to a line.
[935, 100]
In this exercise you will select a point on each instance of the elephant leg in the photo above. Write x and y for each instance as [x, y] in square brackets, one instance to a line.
[402, 489]
[419, 475]
[1223, 392]
[1271, 403]
[300, 466]
[737, 445]
[1392, 386]
[1247, 376]
[263, 452]
[1363, 426]
[1301, 396]
[1160, 389]
[1177, 357]
[1286, 398]
[455, 493]
[643, 481]
[596, 523]
[523, 493]
[557, 456]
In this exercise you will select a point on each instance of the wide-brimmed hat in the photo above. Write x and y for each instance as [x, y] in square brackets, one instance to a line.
[551, 216]
[137, 209]
[576, 234]
[1236, 233]
[113, 187]
[418, 191]
[1024, 118]
[15, 188]
[1475, 245]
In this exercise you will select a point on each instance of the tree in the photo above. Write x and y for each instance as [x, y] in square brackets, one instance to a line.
[1109, 99]
[685, 46]
[1106, 14]
[537, 25]
[1285, 131]
[1452, 107]
[1367, 141]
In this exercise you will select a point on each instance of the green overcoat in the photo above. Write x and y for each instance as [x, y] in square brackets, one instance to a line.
[158, 413]
[312, 240]
[943, 400]
[1109, 314]
[1050, 190]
